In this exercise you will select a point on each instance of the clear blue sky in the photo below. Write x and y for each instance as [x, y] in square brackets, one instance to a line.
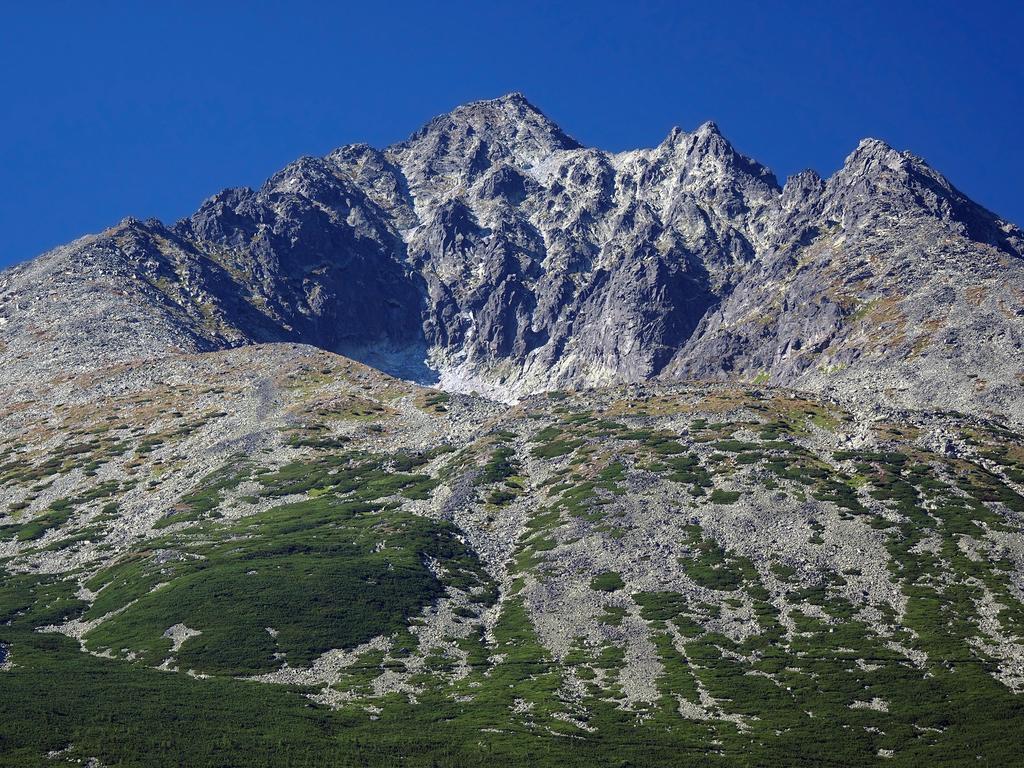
[116, 109]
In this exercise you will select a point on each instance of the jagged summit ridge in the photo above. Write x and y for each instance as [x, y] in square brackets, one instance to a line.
[491, 251]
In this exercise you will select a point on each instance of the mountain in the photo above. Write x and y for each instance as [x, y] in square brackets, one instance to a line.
[491, 252]
[491, 449]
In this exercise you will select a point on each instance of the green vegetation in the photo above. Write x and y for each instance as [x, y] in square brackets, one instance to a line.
[740, 676]
[500, 467]
[553, 449]
[58, 513]
[436, 402]
[609, 581]
[208, 496]
[712, 568]
[291, 582]
[718, 496]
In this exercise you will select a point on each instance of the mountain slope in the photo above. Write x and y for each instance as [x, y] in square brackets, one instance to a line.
[275, 555]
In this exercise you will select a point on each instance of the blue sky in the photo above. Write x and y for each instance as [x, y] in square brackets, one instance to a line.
[116, 109]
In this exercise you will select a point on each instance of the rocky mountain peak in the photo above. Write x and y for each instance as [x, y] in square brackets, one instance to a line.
[707, 152]
[878, 182]
[493, 252]
[801, 187]
[876, 160]
[870, 147]
[709, 128]
[466, 142]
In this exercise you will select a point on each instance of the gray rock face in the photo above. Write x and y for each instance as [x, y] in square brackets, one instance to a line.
[493, 252]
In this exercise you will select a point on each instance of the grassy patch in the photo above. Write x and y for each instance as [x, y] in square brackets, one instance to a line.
[609, 581]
